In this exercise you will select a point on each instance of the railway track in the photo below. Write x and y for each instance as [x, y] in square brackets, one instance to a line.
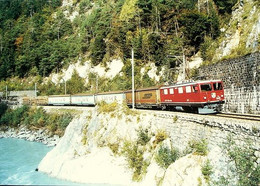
[221, 115]
[239, 116]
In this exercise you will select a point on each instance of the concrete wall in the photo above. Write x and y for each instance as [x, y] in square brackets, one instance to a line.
[30, 93]
[241, 78]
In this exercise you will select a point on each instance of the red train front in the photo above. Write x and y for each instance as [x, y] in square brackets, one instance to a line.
[203, 97]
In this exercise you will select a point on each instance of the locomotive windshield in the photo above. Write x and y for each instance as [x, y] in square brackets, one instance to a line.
[206, 87]
[217, 86]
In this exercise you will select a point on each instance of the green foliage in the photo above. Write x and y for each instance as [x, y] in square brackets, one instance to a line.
[3, 108]
[114, 147]
[75, 84]
[134, 156]
[129, 10]
[165, 156]
[51, 89]
[208, 49]
[36, 38]
[37, 118]
[196, 25]
[175, 119]
[97, 47]
[104, 107]
[247, 170]
[14, 117]
[207, 170]
[199, 147]
[160, 136]
[225, 6]
[84, 6]
[143, 136]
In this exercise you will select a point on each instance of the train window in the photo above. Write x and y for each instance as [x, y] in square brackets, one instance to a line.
[206, 87]
[180, 90]
[195, 88]
[165, 91]
[217, 86]
[188, 89]
[171, 91]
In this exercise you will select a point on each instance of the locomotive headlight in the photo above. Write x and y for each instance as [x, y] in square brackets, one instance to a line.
[222, 96]
[213, 95]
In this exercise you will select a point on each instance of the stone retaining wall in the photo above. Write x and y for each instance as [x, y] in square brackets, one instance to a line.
[241, 77]
[183, 128]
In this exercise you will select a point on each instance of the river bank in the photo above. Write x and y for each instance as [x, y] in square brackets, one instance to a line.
[41, 135]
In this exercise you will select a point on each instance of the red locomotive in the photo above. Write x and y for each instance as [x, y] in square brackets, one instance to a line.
[203, 97]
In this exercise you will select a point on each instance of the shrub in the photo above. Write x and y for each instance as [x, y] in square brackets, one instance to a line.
[165, 156]
[207, 170]
[64, 120]
[143, 136]
[114, 147]
[134, 156]
[199, 147]
[3, 108]
[107, 107]
[247, 170]
[14, 117]
[160, 136]
[37, 118]
[175, 119]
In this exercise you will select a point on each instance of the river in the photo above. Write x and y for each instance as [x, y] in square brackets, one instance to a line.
[20, 158]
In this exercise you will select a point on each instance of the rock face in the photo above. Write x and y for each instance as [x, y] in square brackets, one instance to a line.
[73, 160]
[93, 147]
[243, 29]
[184, 171]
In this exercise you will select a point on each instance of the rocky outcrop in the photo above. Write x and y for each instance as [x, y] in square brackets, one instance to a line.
[93, 149]
[72, 160]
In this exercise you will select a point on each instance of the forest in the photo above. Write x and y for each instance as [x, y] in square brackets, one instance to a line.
[36, 37]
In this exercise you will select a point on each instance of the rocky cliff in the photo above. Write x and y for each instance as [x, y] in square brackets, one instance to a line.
[115, 145]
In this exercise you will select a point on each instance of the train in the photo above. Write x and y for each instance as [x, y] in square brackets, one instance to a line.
[203, 97]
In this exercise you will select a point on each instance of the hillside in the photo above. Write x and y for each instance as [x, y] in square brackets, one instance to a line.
[85, 40]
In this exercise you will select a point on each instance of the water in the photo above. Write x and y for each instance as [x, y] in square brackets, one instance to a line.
[18, 161]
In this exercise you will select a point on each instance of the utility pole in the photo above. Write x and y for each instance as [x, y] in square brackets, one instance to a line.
[184, 64]
[65, 87]
[6, 92]
[133, 81]
[35, 89]
[97, 84]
